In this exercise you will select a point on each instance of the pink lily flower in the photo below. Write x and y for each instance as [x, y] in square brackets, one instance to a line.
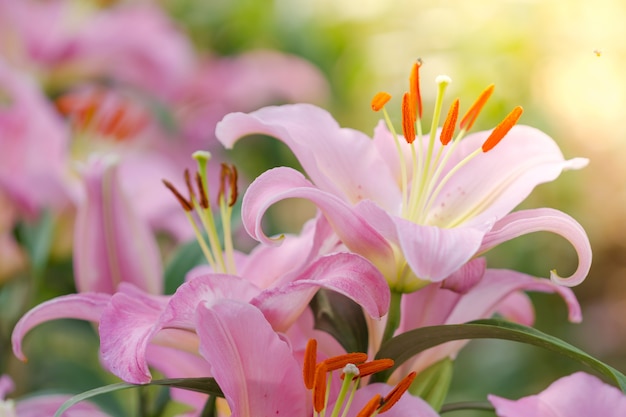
[576, 395]
[112, 243]
[259, 374]
[417, 207]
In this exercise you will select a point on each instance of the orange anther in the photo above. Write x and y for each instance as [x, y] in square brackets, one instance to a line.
[472, 113]
[204, 199]
[338, 362]
[371, 407]
[192, 194]
[394, 395]
[379, 100]
[414, 89]
[308, 368]
[408, 122]
[371, 367]
[319, 387]
[187, 206]
[502, 129]
[228, 183]
[447, 131]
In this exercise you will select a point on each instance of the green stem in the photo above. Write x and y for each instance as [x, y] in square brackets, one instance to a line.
[393, 316]
[209, 407]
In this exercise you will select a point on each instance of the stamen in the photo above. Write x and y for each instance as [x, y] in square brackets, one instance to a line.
[371, 367]
[472, 113]
[449, 125]
[338, 362]
[187, 206]
[204, 200]
[502, 129]
[108, 115]
[379, 100]
[192, 194]
[408, 122]
[228, 175]
[308, 368]
[414, 89]
[319, 387]
[394, 395]
[371, 407]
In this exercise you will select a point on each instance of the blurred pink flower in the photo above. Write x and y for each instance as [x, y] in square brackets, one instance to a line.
[41, 405]
[576, 395]
[244, 82]
[459, 210]
[112, 243]
[131, 44]
[33, 140]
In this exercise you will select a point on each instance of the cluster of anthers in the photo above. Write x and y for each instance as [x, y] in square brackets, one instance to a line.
[220, 260]
[354, 366]
[428, 174]
[102, 114]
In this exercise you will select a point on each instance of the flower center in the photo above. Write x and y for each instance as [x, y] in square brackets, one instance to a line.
[354, 366]
[101, 114]
[425, 176]
[199, 212]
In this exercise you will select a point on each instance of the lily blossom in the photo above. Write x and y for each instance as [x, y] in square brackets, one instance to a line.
[419, 206]
[259, 374]
[576, 395]
[113, 244]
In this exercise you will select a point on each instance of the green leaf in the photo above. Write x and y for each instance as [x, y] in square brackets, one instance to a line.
[432, 384]
[342, 318]
[404, 346]
[184, 259]
[36, 237]
[203, 385]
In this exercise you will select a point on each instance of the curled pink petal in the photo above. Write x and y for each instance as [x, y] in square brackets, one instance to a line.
[126, 327]
[354, 231]
[338, 160]
[86, 306]
[545, 220]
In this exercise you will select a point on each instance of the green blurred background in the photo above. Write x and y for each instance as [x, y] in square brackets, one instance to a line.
[562, 60]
